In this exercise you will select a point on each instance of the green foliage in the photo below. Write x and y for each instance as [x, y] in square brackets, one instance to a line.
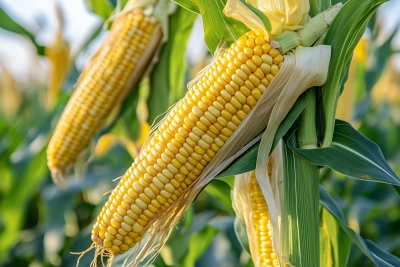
[300, 234]
[343, 35]
[167, 76]
[241, 233]
[377, 255]
[189, 5]
[103, 8]
[351, 154]
[217, 26]
[7, 23]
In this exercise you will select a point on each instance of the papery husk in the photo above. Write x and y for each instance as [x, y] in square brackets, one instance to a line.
[304, 68]
[311, 69]
[242, 205]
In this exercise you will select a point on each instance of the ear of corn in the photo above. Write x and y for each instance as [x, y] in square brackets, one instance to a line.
[186, 141]
[111, 74]
[58, 54]
[263, 233]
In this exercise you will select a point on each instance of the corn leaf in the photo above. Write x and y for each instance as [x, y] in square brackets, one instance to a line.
[300, 214]
[189, 5]
[198, 244]
[247, 161]
[222, 192]
[351, 154]
[7, 23]
[339, 242]
[377, 255]
[168, 72]
[343, 36]
[241, 234]
[182, 27]
[103, 8]
[324, 249]
[318, 6]
[217, 26]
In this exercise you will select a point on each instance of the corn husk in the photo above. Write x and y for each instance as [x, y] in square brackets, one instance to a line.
[242, 204]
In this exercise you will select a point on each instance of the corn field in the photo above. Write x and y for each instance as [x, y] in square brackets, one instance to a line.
[200, 133]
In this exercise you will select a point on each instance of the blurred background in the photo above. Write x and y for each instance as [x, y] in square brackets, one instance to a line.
[44, 45]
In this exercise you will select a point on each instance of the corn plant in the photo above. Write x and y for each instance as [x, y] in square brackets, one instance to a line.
[257, 124]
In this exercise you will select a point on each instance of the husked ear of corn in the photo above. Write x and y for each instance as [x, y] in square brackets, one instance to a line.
[187, 140]
[262, 226]
[112, 72]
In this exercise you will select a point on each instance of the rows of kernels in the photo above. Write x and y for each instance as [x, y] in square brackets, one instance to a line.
[185, 142]
[100, 87]
[262, 226]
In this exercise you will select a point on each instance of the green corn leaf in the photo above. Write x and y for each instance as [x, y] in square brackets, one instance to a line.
[7, 23]
[339, 242]
[189, 5]
[217, 26]
[300, 214]
[324, 249]
[241, 234]
[247, 161]
[377, 255]
[168, 73]
[198, 244]
[351, 154]
[222, 192]
[103, 8]
[343, 36]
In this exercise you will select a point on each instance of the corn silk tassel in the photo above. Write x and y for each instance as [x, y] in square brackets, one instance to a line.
[124, 57]
[245, 89]
[251, 207]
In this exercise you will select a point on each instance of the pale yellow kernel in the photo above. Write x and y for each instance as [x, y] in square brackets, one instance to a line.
[250, 43]
[273, 52]
[137, 228]
[241, 42]
[237, 80]
[242, 57]
[248, 51]
[270, 77]
[274, 69]
[107, 243]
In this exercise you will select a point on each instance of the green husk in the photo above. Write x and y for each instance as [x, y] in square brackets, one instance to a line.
[311, 32]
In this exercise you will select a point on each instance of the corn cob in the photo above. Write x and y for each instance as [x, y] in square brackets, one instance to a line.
[267, 256]
[186, 141]
[113, 71]
[58, 53]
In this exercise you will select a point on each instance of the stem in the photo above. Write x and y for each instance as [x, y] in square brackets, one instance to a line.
[300, 220]
[307, 133]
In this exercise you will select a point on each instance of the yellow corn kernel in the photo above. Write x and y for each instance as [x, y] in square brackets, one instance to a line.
[262, 223]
